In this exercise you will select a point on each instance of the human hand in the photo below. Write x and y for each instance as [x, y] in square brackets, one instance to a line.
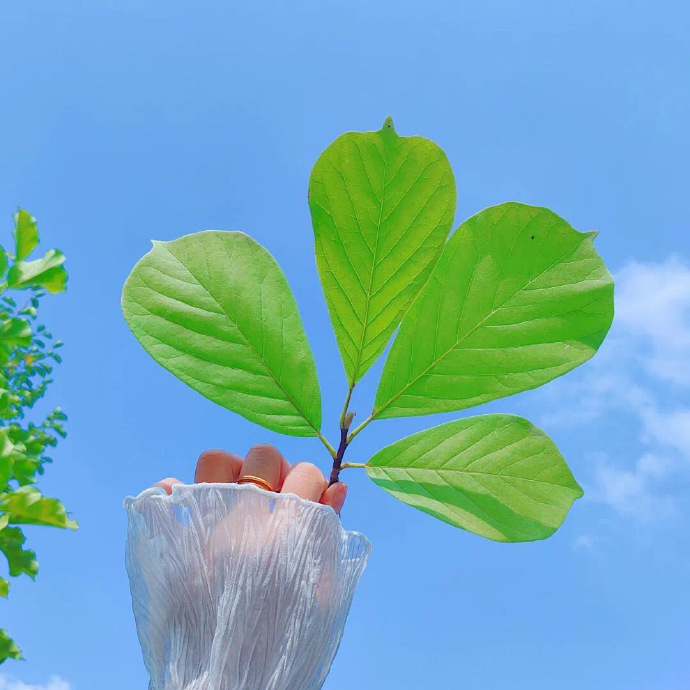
[235, 589]
[267, 463]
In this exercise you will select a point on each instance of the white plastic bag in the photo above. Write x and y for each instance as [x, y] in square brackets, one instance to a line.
[236, 588]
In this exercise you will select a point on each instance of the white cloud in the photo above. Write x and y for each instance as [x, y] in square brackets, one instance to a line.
[653, 303]
[639, 380]
[633, 492]
[670, 428]
[585, 542]
[651, 465]
[55, 683]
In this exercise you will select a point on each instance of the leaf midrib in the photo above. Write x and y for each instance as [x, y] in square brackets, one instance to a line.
[365, 325]
[376, 412]
[493, 522]
[471, 472]
[246, 340]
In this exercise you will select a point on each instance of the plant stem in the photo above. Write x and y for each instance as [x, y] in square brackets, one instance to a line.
[345, 421]
[337, 461]
[366, 422]
[343, 414]
[325, 442]
[349, 465]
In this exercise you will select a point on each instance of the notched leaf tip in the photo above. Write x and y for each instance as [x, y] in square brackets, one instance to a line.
[388, 125]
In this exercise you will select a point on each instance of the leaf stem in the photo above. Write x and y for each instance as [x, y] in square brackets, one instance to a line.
[349, 465]
[325, 442]
[365, 423]
[343, 414]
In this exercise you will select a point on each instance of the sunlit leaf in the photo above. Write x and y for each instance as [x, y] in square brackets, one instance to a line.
[25, 234]
[27, 505]
[6, 459]
[4, 588]
[47, 272]
[14, 333]
[8, 648]
[381, 206]
[518, 298]
[25, 469]
[20, 560]
[215, 309]
[496, 475]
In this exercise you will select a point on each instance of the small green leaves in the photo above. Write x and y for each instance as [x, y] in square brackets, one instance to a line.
[27, 505]
[20, 560]
[8, 649]
[381, 206]
[495, 475]
[518, 298]
[215, 309]
[25, 234]
[14, 333]
[47, 272]
[26, 363]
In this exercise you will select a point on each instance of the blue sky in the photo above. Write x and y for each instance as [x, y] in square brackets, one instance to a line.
[123, 121]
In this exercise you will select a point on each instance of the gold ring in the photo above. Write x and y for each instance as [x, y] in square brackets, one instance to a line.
[258, 481]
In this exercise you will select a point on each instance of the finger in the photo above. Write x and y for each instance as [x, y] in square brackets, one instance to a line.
[334, 496]
[167, 484]
[305, 480]
[217, 466]
[285, 468]
[263, 461]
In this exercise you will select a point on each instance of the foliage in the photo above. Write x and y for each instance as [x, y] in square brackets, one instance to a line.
[27, 355]
[377, 242]
[478, 473]
[514, 298]
[218, 312]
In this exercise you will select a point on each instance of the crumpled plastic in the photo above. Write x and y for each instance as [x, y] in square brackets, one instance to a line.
[237, 588]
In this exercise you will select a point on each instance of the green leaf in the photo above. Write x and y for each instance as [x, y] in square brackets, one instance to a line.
[3, 263]
[27, 505]
[4, 588]
[381, 206]
[215, 309]
[25, 234]
[25, 469]
[6, 460]
[47, 272]
[8, 648]
[15, 333]
[518, 298]
[495, 475]
[20, 560]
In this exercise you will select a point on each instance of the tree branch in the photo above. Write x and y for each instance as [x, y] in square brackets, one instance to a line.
[338, 459]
